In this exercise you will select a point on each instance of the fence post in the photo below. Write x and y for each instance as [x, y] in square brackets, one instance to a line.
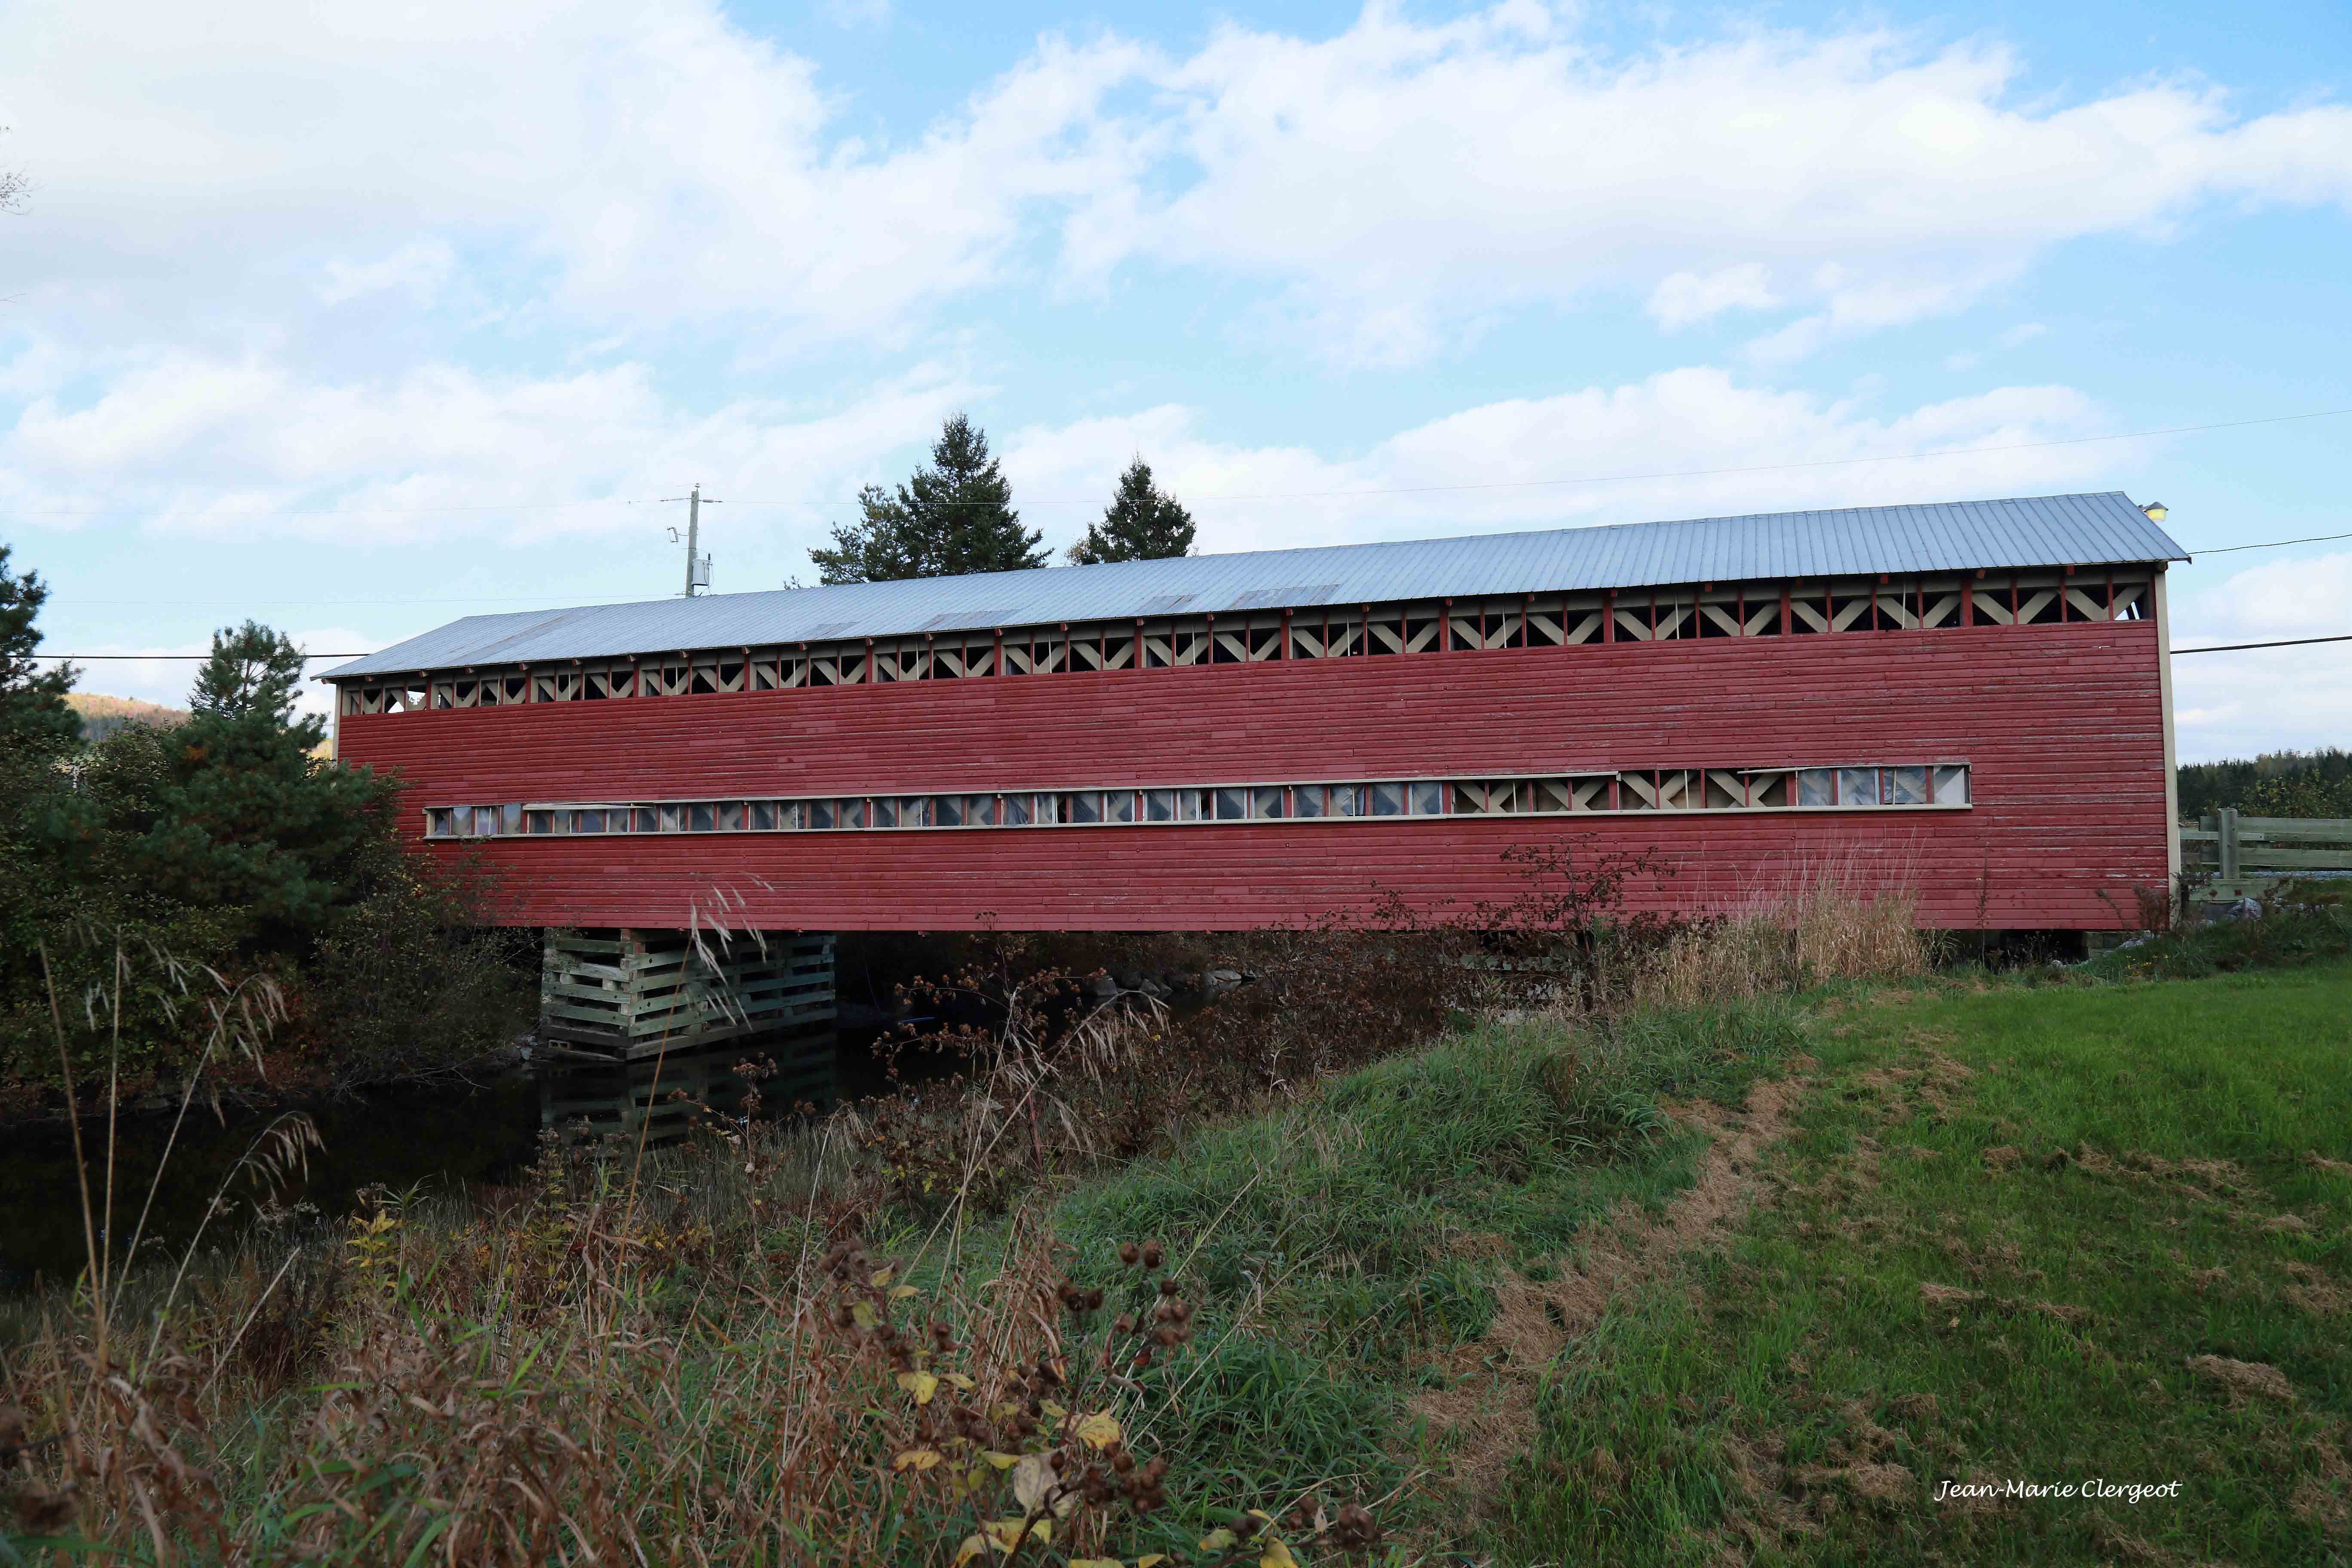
[2227, 849]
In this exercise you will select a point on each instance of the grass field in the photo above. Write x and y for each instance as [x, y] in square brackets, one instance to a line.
[1743, 1283]
[2044, 1235]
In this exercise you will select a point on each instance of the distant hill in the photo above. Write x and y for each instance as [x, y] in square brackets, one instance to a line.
[103, 716]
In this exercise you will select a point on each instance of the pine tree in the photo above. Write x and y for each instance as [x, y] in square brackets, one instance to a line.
[34, 717]
[953, 517]
[250, 818]
[1142, 523]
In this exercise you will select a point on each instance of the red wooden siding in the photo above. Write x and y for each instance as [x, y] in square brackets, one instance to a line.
[2062, 726]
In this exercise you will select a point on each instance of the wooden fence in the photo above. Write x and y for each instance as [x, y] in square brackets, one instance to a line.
[2246, 855]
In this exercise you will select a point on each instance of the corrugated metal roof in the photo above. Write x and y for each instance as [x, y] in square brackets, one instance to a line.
[2039, 530]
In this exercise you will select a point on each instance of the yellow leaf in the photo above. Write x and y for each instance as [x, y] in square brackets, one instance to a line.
[959, 1379]
[1097, 1430]
[1002, 1461]
[1095, 1562]
[1277, 1555]
[1261, 1513]
[881, 1278]
[921, 1384]
[1006, 1532]
[900, 1293]
[863, 1314]
[1054, 1410]
[920, 1459]
[973, 1547]
[1152, 1560]
[1218, 1540]
[1034, 1479]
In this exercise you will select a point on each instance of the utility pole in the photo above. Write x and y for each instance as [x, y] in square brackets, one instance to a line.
[698, 567]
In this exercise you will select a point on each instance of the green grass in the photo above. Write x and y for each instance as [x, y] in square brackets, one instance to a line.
[2292, 933]
[2027, 1145]
[1339, 1247]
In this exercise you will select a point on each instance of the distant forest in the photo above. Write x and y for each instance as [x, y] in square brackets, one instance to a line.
[2276, 783]
[104, 716]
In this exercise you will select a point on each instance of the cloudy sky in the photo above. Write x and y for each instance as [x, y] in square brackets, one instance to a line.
[358, 319]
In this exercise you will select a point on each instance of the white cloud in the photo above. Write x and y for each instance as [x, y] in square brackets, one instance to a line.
[1688, 297]
[645, 161]
[1390, 188]
[1481, 470]
[417, 269]
[2237, 704]
[252, 449]
[1403, 181]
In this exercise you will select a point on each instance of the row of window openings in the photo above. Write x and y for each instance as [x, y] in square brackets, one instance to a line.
[1672, 789]
[1512, 623]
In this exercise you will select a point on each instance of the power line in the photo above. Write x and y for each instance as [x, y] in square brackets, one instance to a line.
[1304, 495]
[2273, 545]
[2290, 642]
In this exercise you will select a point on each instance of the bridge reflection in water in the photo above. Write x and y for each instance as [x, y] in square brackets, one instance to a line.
[584, 1100]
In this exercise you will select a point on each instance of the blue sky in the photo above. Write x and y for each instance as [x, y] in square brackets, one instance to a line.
[358, 323]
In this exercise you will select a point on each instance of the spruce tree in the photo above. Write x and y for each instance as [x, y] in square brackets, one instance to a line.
[34, 718]
[249, 817]
[1142, 523]
[951, 517]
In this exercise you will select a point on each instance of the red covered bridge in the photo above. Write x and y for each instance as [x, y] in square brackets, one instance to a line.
[1971, 698]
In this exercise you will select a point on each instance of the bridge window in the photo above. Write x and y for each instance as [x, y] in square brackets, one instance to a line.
[1896, 786]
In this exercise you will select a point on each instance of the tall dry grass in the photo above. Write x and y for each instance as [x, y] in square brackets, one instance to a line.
[1827, 923]
[694, 1355]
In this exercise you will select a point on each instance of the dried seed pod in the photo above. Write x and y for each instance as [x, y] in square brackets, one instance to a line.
[1128, 1252]
[1152, 1254]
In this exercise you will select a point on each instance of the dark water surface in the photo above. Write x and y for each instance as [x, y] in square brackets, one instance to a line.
[442, 1136]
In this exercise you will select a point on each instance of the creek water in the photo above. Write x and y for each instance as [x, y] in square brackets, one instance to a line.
[445, 1136]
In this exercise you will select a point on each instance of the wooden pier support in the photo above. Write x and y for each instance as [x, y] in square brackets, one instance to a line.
[630, 993]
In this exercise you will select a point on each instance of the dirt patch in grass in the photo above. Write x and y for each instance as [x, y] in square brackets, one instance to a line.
[1489, 1401]
[2242, 1378]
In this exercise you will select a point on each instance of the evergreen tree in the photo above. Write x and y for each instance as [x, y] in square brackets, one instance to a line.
[34, 718]
[249, 818]
[1142, 523]
[953, 517]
